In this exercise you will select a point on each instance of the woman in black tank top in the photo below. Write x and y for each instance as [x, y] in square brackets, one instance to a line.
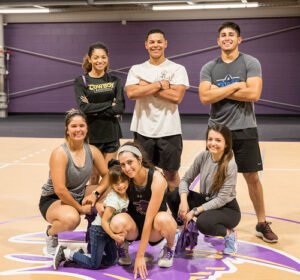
[147, 218]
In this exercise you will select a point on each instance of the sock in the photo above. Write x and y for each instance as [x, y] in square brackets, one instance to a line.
[68, 254]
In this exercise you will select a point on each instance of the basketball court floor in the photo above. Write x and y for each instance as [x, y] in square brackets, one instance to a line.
[24, 168]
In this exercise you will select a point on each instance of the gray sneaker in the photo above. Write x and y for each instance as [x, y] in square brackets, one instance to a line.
[124, 257]
[51, 242]
[166, 259]
[59, 256]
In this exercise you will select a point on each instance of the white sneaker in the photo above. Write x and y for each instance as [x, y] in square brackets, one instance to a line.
[167, 257]
[124, 257]
[51, 243]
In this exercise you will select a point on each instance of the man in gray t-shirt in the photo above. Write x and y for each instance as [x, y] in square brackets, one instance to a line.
[231, 84]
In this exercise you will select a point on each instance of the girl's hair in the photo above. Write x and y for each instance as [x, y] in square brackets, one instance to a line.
[221, 172]
[116, 175]
[86, 65]
[69, 117]
[145, 161]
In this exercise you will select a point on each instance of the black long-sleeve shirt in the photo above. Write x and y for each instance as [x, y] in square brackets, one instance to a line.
[102, 118]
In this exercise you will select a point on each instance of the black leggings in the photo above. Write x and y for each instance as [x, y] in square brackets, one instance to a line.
[212, 222]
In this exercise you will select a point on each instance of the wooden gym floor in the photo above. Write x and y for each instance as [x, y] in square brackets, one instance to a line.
[24, 168]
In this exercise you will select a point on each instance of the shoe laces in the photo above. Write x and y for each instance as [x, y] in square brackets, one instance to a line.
[53, 240]
[123, 252]
[267, 227]
[168, 253]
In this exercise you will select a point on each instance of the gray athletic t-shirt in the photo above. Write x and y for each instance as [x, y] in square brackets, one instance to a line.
[234, 114]
[204, 166]
[76, 177]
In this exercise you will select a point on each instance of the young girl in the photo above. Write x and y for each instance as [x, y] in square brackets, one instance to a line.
[215, 207]
[102, 239]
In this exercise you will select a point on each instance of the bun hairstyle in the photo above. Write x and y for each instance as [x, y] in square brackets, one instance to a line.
[68, 118]
[86, 65]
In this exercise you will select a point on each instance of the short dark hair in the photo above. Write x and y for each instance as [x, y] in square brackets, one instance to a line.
[152, 31]
[232, 25]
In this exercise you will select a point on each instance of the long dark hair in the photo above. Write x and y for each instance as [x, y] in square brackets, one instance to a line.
[221, 172]
[86, 65]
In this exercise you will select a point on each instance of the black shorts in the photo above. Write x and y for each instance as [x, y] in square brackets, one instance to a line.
[164, 152]
[109, 147]
[139, 221]
[45, 202]
[247, 152]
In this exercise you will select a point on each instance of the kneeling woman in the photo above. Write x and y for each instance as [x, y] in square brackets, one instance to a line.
[147, 219]
[215, 207]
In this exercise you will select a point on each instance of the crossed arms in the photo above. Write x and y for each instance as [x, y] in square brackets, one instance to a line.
[249, 91]
[161, 89]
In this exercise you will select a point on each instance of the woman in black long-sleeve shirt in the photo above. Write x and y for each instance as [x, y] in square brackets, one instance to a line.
[100, 96]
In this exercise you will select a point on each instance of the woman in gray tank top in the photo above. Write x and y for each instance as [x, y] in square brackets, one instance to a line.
[63, 197]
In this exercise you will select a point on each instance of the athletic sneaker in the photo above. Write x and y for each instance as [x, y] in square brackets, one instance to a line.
[166, 259]
[124, 257]
[59, 256]
[51, 242]
[230, 244]
[264, 231]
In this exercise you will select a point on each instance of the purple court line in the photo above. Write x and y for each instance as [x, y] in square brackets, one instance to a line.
[19, 219]
[193, 185]
[272, 217]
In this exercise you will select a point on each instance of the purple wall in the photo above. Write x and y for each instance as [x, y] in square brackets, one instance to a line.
[278, 53]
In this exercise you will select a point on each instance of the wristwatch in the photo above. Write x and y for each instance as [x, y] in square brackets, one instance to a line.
[97, 194]
[196, 212]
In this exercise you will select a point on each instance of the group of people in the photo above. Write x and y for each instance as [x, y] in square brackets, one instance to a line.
[134, 194]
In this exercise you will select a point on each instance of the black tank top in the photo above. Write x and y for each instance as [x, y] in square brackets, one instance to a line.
[139, 197]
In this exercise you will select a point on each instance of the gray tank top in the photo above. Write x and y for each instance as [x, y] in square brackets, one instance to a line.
[76, 177]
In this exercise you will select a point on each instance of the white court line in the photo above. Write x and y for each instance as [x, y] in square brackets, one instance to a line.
[19, 161]
[23, 164]
[283, 169]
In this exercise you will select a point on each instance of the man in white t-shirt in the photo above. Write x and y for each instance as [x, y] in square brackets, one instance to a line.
[158, 86]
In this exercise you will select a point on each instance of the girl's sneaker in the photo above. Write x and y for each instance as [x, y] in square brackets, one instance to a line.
[59, 256]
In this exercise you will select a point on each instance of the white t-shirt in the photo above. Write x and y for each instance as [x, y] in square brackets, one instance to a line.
[115, 201]
[153, 116]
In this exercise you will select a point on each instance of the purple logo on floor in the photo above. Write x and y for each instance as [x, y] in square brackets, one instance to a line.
[206, 261]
